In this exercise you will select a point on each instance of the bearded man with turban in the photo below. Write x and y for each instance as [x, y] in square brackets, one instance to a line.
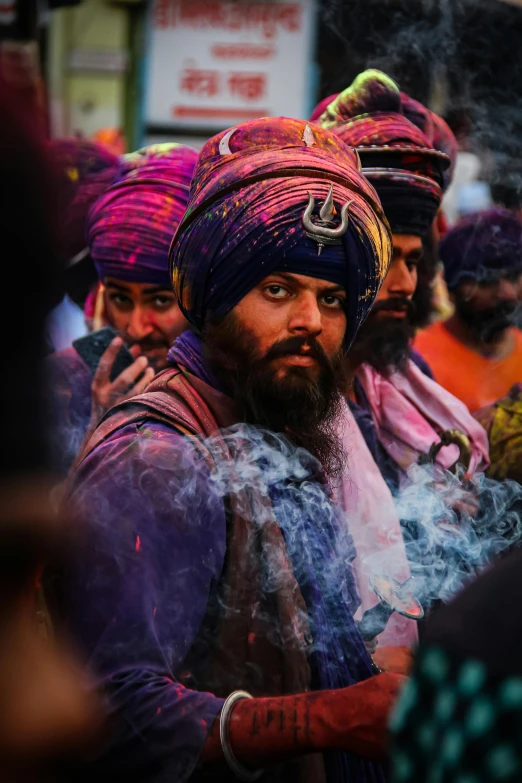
[128, 230]
[400, 411]
[214, 596]
[477, 353]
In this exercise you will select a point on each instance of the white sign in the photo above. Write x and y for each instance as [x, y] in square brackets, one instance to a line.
[215, 63]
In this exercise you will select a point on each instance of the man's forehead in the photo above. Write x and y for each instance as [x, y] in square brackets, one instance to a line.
[406, 242]
[129, 286]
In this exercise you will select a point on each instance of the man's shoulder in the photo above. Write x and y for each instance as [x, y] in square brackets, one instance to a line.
[137, 449]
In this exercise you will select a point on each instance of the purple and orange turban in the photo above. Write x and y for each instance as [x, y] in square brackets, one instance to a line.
[130, 227]
[396, 156]
[265, 197]
[87, 169]
[482, 247]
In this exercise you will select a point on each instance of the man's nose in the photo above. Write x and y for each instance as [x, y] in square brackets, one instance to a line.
[139, 325]
[509, 291]
[401, 281]
[305, 318]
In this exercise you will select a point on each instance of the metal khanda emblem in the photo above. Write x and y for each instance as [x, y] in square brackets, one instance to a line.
[324, 231]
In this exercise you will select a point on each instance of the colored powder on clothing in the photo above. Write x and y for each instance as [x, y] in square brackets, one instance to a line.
[474, 379]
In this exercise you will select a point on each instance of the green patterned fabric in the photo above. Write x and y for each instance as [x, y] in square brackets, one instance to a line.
[503, 423]
[456, 722]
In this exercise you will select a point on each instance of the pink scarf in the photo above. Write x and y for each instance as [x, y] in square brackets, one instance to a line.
[410, 411]
[375, 528]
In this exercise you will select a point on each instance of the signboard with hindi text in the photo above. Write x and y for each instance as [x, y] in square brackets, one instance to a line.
[215, 63]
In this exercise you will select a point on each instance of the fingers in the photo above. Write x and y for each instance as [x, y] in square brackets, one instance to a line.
[135, 350]
[126, 378]
[148, 375]
[101, 376]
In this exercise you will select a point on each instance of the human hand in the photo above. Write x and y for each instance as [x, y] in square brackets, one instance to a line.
[107, 393]
[361, 713]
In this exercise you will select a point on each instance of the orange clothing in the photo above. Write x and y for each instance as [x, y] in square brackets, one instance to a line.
[472, 378]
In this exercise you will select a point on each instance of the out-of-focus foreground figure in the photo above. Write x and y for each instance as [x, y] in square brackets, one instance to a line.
[46, 711]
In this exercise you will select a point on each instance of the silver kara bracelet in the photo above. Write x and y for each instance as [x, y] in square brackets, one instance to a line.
[239, 771]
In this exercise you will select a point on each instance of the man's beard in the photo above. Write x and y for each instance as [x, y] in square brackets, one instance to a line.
[488, 325]
[305, 409]
[384, 342]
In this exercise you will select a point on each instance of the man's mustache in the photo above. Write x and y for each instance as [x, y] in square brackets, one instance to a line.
[295, 345]
[394, 304]
[147, 344]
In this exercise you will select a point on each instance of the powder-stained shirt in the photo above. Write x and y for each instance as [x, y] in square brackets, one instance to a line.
[474, 379]
[147, 566]
[69, 400]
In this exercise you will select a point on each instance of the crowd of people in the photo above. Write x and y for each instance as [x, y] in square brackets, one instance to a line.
[242, 450]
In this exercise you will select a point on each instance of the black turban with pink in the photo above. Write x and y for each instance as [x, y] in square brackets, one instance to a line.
[278, 194]
[397, 157]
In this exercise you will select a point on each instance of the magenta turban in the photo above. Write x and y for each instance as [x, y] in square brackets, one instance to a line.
[131, 226]
[246, 218]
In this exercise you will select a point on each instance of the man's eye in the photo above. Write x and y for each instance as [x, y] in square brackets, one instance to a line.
[120, 299]
[163, 301]
[332, 301]
[276, 290]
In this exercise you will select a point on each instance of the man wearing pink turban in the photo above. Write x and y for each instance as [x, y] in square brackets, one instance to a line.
[128, 234]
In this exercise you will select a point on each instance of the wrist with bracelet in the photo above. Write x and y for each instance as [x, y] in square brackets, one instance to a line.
[238, 769]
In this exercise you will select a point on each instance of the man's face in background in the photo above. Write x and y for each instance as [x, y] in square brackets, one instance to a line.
[146, 315]
[384, 338]
[490, 307]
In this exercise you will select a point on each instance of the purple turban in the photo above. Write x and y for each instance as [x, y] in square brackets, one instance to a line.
[88, 169]
[482, 247]
[131, 226]
[254, 209]
[396, 156]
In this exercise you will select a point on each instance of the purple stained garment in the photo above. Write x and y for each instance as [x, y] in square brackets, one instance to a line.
[130, 227]
[152, 543]
[149, 554]
[69, 399]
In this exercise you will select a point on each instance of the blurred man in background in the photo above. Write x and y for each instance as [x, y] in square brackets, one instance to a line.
[128, 232]
[477, 353]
